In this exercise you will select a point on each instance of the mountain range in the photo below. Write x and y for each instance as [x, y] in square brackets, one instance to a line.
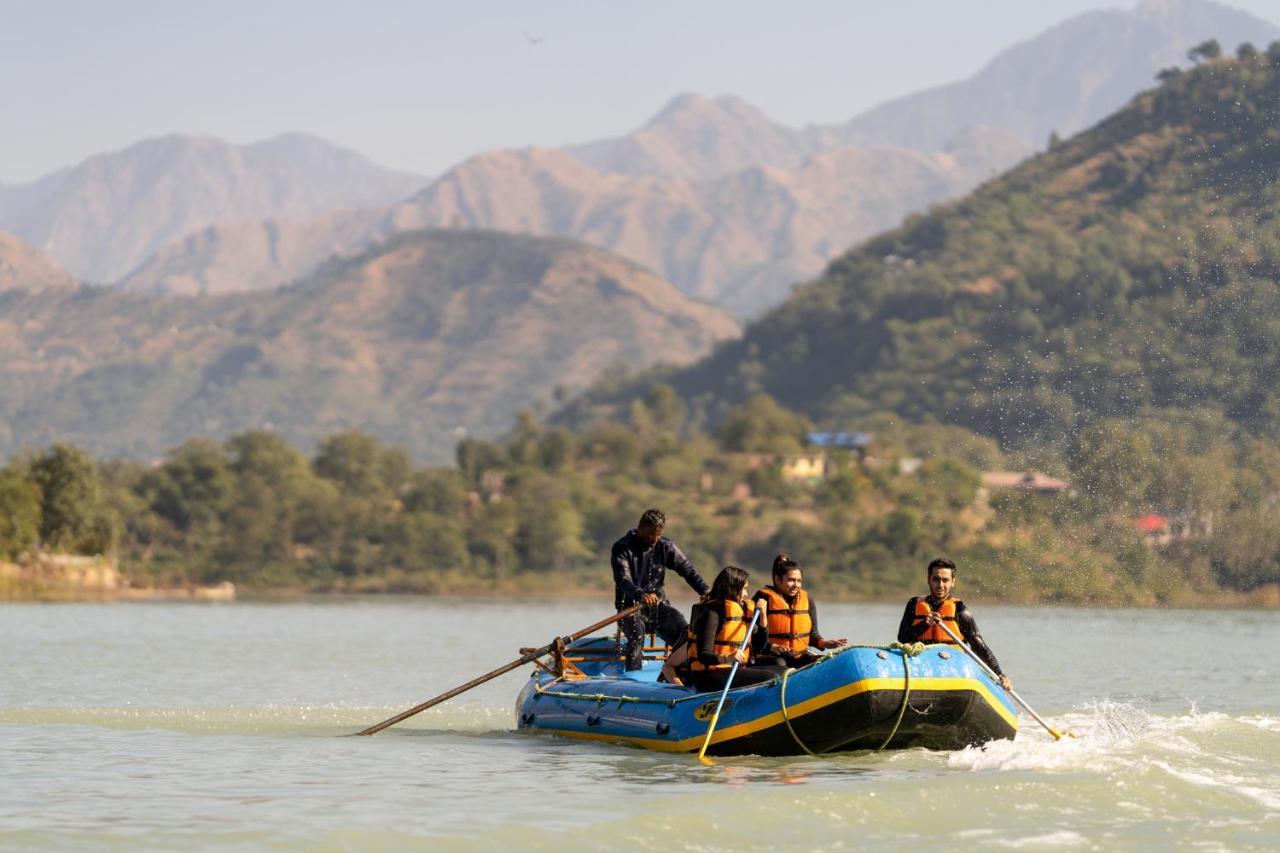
[401, 314]
[419, 340]
[103, 217]
[711, 193]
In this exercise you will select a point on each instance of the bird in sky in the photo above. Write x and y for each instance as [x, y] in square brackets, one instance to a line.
[533, 40]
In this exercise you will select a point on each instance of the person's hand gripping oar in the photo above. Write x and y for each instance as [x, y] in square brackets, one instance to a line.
[475, 682]
[737, 658]
[1057, 735]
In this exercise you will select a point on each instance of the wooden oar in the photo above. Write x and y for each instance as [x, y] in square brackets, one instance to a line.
[524, 659]
[715, 718]
[1057, 735]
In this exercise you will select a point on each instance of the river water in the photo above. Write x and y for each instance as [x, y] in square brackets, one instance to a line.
[217, 727]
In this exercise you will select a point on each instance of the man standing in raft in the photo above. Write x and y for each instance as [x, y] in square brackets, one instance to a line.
[791, 617]
[923, 619]
[640, 561]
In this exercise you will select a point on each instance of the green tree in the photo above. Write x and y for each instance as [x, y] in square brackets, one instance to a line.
[72, 516]
[273, 484]
[763, 426]
[474, 457]
[1113, 466]
[665, 407]
[549, 528]
[1245, 549]
[1208, 50]
[19, 514]
[556, 449]
[950, 480]
[360, 465]
[194, 487]
[438, 491]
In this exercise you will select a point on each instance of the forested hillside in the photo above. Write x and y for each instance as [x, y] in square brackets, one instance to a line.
[1129, 272]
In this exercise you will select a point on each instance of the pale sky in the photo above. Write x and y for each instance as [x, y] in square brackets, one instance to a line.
[422, 85]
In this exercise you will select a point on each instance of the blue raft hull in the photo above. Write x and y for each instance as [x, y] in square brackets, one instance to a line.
[851, 700]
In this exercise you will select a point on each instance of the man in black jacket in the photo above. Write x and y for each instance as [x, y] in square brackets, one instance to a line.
[640, 561]
[924, 615]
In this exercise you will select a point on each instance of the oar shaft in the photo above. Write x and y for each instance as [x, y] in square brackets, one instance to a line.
[989, 671]
[715, 717]
[519, 662]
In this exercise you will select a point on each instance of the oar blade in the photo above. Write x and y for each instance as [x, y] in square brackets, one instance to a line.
[702, 753]
[502, 670]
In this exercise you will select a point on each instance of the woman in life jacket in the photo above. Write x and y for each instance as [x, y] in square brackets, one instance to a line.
[924, 617]
[717, 629]
[792, 623]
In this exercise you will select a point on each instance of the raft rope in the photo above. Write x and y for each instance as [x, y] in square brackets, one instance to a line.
[602, 698]
[786, 719]
[908, 650]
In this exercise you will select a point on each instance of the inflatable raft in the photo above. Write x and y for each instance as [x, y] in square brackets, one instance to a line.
[859, 698]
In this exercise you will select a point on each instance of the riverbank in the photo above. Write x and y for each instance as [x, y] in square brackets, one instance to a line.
[81, 578]
[70, 577]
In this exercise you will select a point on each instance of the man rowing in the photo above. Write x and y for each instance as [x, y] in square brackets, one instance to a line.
[640, 561]
[924, 617]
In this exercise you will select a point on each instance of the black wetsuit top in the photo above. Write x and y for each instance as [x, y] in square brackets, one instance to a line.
[638, 569]
[909, 633]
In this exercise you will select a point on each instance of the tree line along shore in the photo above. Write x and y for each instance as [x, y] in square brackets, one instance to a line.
[1132, 513]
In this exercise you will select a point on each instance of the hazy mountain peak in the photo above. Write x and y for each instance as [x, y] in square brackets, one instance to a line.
[102, 217]
[698, 137]
[692, 108]
[1064, 79]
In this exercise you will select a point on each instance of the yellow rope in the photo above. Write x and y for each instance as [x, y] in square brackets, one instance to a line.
[787, 719]
[909, 650]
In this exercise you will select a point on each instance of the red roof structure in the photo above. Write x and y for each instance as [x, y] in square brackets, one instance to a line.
[1151, 523]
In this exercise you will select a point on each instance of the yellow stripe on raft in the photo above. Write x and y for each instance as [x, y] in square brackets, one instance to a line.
[808, 706]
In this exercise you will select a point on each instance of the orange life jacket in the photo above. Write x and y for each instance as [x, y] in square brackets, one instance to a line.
[935, 634]
[790, 625]
[734, 619]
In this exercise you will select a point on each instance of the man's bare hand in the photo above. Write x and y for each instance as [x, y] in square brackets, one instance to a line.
[835, 644]
[932, 617]
[743, 655]
[1005, 682]
[650, 599]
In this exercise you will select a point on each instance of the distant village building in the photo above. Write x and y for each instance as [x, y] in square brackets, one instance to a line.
[909, 464]
[1160, 529]
[805, 466]
[857, 442]
[1025, 481]
[816, 463]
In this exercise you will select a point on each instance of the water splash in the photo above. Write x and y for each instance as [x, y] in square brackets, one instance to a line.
[1181, 754]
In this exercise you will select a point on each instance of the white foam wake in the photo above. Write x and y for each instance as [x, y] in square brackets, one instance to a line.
[1233, 756]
